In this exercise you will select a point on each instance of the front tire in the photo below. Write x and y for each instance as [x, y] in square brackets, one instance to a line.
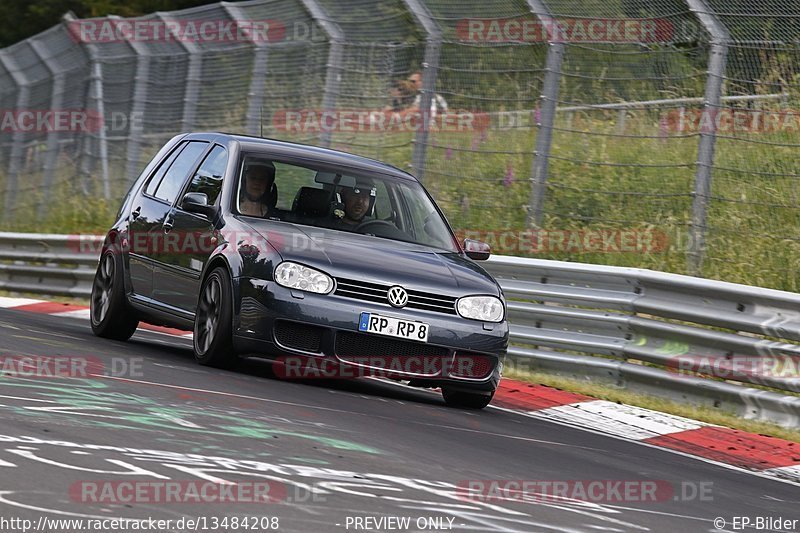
[213, 330]
[466, 400]
[109, 312]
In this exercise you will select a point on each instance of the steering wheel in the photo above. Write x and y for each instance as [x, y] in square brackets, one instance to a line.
[376, 223]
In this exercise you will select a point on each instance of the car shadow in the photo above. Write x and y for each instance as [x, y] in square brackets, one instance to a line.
[180, 349]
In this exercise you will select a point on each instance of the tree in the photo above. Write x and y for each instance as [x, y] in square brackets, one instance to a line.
[25, 18]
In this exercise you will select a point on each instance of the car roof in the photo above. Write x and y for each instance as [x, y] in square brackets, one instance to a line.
[316, 153]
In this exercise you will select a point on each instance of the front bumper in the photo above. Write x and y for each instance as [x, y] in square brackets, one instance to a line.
[326, 328]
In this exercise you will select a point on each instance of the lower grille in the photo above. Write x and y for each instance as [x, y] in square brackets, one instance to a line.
[391, 354]
[299, 336]
[474, 366]
[361, 344]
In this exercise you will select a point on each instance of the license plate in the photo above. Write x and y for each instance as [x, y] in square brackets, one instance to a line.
[393, 327]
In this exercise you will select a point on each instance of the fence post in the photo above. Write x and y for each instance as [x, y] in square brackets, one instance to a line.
[547, 110]
[17, 140]
[717, 61]
[193, 73]
[138, 106]
[96, 94]
[255, 93]
[56, 102]
[100, 106]
[430, 71]
[333, 77]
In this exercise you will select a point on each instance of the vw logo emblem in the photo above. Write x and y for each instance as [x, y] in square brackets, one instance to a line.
[398, 296]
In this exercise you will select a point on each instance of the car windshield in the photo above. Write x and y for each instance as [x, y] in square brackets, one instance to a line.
[335, 199]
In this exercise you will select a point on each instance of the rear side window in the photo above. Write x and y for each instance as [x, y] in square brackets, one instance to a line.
[208, 178]
[180, 166]
[155, 180]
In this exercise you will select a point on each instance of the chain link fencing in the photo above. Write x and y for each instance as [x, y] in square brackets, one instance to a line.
[658, 134]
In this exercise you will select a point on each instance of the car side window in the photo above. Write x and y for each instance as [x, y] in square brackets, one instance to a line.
[425, 224]
[173, 179]
[156, 178]
[208, 178]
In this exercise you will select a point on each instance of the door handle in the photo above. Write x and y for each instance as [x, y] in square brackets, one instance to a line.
[136, 212]
[168, 224]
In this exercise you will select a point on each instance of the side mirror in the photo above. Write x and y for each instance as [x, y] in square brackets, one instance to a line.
[477, 250]
[197, 202]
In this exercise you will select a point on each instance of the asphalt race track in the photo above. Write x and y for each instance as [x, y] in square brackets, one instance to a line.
[342, 456]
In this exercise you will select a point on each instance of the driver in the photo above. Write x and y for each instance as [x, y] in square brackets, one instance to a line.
[358, 202]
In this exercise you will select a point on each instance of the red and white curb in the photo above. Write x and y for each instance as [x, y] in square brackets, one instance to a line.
[767, 456]
[73, 311]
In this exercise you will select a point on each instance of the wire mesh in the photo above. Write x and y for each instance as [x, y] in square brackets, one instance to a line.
[754, 210]
[618, 168]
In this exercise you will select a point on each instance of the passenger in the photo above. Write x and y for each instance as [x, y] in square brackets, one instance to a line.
[257, 195]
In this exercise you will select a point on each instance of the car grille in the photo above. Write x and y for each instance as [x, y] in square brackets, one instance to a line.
[391, 354]
[474, 366]
[375, 292]
[298, 336]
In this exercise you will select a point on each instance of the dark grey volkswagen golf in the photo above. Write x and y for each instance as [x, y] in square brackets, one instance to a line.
[331, 264]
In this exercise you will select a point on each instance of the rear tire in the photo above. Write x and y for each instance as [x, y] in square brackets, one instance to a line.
[213, 323]
[466, 400]
[111, 317]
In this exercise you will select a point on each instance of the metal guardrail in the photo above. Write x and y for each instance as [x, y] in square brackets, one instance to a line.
[640, 329]
[54, 264]
[633, 328]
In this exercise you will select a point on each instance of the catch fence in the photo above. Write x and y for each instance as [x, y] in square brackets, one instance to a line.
[675, 118]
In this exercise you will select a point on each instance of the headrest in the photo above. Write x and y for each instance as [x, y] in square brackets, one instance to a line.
[272, 197]
[312, 202]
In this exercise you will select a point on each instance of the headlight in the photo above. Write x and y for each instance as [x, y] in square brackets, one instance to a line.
[484, 308]
[301, 277]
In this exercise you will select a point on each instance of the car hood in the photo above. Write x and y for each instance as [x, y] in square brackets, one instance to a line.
[377, 260]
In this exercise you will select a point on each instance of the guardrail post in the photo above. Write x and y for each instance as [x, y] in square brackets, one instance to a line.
[333, 77]
[717, 62]
[547, 110]
[430, 71]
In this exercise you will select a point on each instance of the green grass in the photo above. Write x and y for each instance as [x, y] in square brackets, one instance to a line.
[601, 178]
